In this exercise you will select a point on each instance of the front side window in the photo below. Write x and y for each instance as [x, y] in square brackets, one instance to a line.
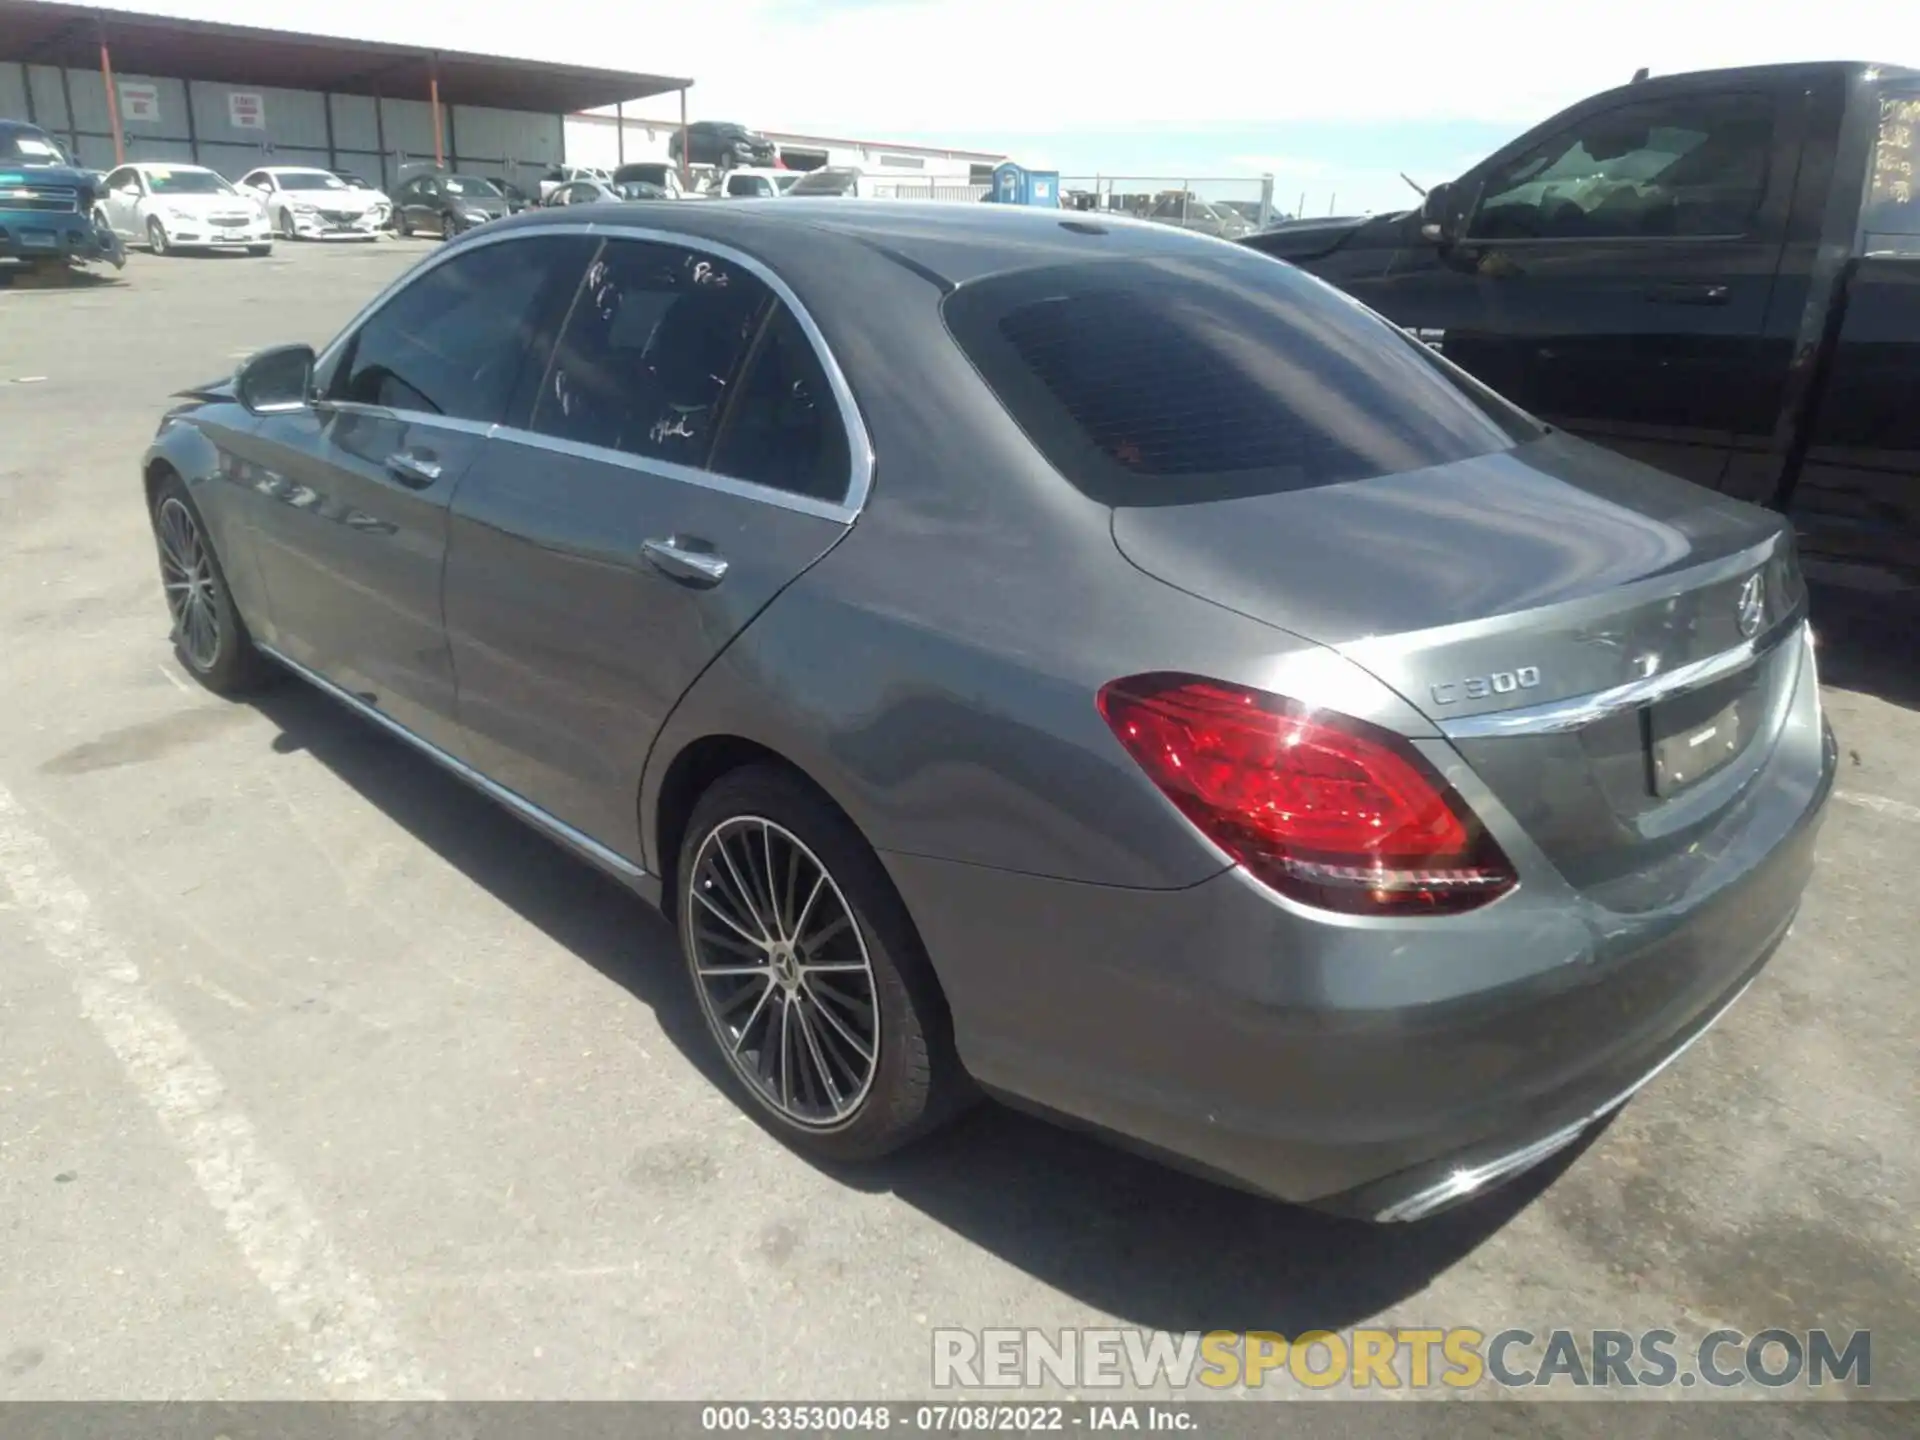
[471, 185]
[1169, 379]
[1695, 165]
[257, 181]
[653, 346]
[123, 180]
[455, 341]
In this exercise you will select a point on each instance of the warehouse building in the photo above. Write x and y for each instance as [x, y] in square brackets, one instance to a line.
[119, 86]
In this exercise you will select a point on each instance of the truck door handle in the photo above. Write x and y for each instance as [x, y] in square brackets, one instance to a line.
[415, 471]
[670, 557]
[1689, 294]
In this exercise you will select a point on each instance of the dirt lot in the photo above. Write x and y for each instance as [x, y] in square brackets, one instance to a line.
[320, 1076]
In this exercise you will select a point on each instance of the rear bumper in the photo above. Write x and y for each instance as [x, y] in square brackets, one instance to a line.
[1380, 1069]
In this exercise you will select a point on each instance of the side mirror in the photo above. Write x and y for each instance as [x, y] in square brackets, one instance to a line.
[276, 381]
[1435, 214]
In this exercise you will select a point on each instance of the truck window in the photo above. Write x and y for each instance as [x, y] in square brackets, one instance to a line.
[1893, 203]
[1688, 166]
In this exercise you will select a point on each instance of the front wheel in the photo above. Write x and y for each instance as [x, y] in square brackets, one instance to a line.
[208, 634]
[447, 230]
[156, 237]
[287, 232]
[813, 982]
[266, 249]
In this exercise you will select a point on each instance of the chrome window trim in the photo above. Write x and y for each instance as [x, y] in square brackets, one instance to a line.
[492, 789]
[1556, 717]
[859, 442]
[482, 428]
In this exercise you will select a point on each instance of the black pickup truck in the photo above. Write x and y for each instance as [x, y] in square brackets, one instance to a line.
[1717, 273]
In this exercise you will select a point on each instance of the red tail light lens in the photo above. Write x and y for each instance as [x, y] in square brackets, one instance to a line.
[1326, 809]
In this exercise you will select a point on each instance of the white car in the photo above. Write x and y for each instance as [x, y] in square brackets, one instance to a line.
[754, 182]
[307, 204]
[180, 207]
[566, 174]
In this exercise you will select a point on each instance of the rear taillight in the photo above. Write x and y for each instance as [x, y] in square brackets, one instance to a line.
[1327, 809]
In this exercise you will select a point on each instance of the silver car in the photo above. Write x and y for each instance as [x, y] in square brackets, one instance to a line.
[1058, 657]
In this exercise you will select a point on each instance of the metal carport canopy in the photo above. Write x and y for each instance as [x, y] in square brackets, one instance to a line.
[53, 34]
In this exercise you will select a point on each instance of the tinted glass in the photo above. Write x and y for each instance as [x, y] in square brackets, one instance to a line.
[1893, 190]
[784, 428]
[471, 185]
[1173, 378]
[652, 347]
[826, 182]
[1696, 165]
[311, 180]
[454, 341]
[28, 146]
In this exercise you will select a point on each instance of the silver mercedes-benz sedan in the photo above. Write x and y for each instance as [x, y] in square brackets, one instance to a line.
[1058, 657]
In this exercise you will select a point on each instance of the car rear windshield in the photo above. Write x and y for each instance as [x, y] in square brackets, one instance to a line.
[1173, 378]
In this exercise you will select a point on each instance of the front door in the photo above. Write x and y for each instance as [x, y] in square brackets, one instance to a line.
[1614, 278]
[682, 461]
[121, 203]
[351, 495]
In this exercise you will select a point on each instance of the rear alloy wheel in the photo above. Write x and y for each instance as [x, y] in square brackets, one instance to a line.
[287, 232]
[208, 634]
[156, 237]
[447, 230]
[812, 980]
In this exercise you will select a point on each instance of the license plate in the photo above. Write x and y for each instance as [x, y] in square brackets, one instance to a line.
[1691, 741]
[36, 240]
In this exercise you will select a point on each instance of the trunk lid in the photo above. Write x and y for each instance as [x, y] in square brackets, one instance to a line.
[1494, 590]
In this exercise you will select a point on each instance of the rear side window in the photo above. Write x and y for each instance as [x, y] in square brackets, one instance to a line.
[783, 428]
[1893, 189]
[655, 341]
[454, 342]
[1170, 379]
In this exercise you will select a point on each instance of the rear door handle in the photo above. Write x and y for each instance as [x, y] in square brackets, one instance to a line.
[417, 471]
[670, 557]
[1689, 294]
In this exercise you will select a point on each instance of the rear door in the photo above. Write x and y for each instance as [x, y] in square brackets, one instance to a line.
[683, 459]
[352, 493]
[1857, 500]
[1614, 277]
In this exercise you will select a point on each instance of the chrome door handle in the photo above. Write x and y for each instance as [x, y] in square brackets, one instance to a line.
[414, 470]
[702, 567]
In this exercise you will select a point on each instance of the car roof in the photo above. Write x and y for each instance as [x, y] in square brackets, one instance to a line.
[948, 242]
[291, 170]
[145, 165]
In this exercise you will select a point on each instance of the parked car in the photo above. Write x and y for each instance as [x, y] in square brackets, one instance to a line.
[755, 183]
[517, 199]
[846, 182]
[564, 174]
[181, 207]
[302, 203]
[592, 192]
[650, 172]
[722, 143]
[1716, 272]
[1396, 785]
[1190, 212]
[47, 218]
[446, 205]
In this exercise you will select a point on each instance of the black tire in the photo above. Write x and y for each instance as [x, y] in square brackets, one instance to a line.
[231, 665]
[915, 1078]
[447, 230]
[287, 232]
[156, 236]
[266, 249]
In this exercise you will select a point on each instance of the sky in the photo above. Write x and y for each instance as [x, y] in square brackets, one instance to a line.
[1333, 98]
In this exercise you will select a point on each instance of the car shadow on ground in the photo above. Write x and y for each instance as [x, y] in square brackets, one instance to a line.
[1123, 1234]
[1869, 643]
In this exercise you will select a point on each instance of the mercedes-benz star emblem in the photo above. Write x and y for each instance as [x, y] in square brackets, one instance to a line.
[1753, 604]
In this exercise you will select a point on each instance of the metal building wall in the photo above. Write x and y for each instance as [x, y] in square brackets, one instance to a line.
[303, 127]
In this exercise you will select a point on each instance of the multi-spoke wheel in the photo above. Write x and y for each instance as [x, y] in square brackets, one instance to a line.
[783, 972]
[208, 633]
[810, 975]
